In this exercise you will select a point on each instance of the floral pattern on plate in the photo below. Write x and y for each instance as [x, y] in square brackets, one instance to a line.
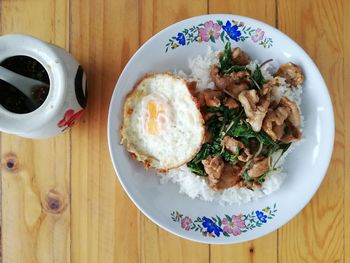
[219, 31]
[229, 225]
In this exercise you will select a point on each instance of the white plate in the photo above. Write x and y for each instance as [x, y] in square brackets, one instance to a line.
[305, 166]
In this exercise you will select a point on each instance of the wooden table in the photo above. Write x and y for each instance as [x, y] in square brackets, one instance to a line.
[62, 202]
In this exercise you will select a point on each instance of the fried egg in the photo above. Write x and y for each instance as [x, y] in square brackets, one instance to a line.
[162, 126]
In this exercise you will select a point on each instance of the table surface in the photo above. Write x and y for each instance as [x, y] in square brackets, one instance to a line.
[92, 219]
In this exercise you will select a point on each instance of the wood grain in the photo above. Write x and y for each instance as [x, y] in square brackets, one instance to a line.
[346, 98]
[265, 247]
[105, 226]
[263, 10]
[36, 194]
[316, 234]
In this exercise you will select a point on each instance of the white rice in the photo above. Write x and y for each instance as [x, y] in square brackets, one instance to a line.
[196, 186]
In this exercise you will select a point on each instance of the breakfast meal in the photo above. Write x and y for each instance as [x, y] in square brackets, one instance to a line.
[221, 132]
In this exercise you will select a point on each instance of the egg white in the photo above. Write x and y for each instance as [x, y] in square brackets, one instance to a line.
[178, 138]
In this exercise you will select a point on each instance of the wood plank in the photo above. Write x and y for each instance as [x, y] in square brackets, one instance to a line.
[104, 35]
[158, 245]
[346, 206]
[36, 197]
[265, 247]
[316, 234]
[262, 10]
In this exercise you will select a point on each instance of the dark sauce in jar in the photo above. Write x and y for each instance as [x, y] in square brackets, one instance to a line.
[13, 99]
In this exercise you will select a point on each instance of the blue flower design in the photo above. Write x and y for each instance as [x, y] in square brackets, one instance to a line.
[260, 215]
[232, 31]
[181, 39]
[211, 226]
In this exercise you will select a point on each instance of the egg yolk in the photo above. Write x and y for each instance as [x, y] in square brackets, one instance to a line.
[155, 119]
[153, 116]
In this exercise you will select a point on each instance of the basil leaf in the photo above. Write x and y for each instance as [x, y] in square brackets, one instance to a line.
[226, 60]
[229, 157]
[234, 68]
[258, 78]
[196, 168]
[202, 154]
[246, 177]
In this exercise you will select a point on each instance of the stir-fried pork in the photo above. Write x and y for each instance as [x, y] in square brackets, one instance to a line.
[255, 108]
[292, 73]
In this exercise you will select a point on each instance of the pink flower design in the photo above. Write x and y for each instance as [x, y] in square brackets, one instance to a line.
[210, 31]
[258, 35]
[233, 226]
[186, 223]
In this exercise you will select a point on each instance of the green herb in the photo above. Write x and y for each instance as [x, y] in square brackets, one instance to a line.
[261, 178]
[265, 139]
[234, 68]
[243, 132]
[226, 63]
[196, 168]
[284, 148]
[246, 177]
[207, 149]
[226, 60]
[257, 78]
[229, 157]
[217, 123]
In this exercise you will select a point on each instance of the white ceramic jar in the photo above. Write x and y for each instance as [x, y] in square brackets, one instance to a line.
[67, 95]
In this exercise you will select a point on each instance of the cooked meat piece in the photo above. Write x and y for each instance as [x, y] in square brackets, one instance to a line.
[227, 80]
[255, 108]
[213, 166]
[229, 178]
[239, 57]
[254, 145]
[208, 137]
[283, 122]
[220, 81]
[231, 103]
[266, 88]
[279, 130]
[282, 114]
[293, 134]
[273, 105]
[259, 168]
[292, 73]
[244, 184]
[208, 115]
[294, 115]
[235, 89]
[245, 156]
[192, 86]
[273, 123]
[240, 76]
[249, 99]
[249, 185]
[200, 99]
[232, 144]
[256, 185]
[212, 97]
